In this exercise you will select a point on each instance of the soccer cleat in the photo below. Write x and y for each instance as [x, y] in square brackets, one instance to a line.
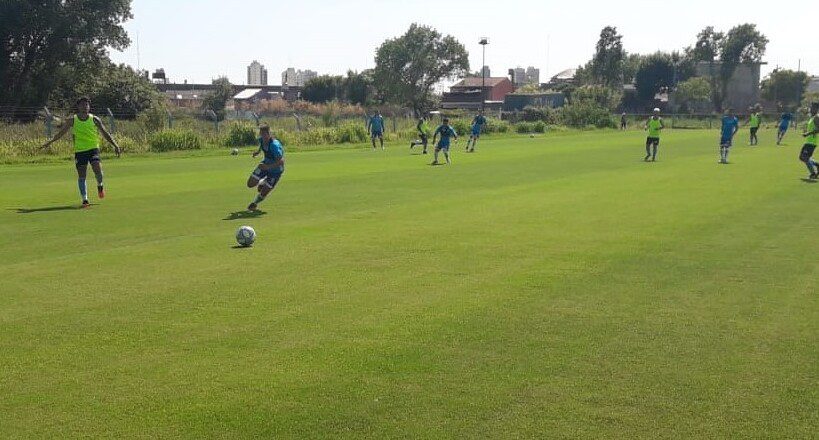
[85, 204]
[471, 150]
[101, 192]
[646, 158]
[252, 207]
[434, 162]
[425, 152]
[814, 176]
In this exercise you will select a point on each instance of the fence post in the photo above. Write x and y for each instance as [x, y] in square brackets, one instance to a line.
[215, 118]
[257, 118]
[111, 122]
[170, 118]
[49, 120]
[394, 124]
[298, 121]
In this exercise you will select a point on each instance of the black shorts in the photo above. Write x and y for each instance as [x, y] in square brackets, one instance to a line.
[807, 152]
[424, 138]
[754, 130]
[83, 158]
[653, 141]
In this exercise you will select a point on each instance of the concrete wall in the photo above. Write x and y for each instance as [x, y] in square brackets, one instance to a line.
[743, 89]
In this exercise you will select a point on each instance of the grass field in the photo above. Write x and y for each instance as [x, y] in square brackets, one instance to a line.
[555, 287]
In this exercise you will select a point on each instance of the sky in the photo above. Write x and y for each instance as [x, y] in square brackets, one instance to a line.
[203, 39]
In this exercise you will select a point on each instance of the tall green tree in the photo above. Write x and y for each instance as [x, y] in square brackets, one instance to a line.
[38, 38]
[218, 98]
[693, 95]
[358, 87]
[609, 57]
[324, 88]
[785, 86]
[408, 67]
[660, 71]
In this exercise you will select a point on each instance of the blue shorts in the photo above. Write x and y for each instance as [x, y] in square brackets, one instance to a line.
[476, 132]
[784, 129]
[377, 134]
[726, 142]
[270, 177]
[442, 147]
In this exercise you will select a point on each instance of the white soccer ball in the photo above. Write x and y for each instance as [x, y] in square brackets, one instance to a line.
[245, 236]
[234, 152]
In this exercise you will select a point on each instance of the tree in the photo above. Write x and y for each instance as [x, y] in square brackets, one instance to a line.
[655, 73]
[118, 87]
[217, 100]
[785, 86]
[358, 87]
[607, 64]
[630, 67]
[409, 66]
[600, 96]
[38, 38]
[323, 89]
[742, 44]
[693, 95]
[707, 47]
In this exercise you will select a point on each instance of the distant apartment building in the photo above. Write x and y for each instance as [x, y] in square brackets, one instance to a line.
[813, 85]
[532, 75]
[297, 78]
[518, 76]
[256, 74]
[486, 72]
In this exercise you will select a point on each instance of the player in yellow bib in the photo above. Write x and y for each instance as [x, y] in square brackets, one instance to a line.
[754, 122]
[811, 134]
[654, 126]
[86, 129]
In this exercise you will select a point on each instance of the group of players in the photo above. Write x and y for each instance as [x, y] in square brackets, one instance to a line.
[86, 129]
[730, 127]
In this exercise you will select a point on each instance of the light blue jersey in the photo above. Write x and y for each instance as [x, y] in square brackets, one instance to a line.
[785, 121]
[376, 124]
[447, 133]
[273, 152]
[730, 124]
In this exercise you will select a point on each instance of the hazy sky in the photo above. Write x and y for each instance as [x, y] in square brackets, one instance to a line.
[199, 40]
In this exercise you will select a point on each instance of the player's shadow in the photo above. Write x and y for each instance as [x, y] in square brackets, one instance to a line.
[810, 181]
[47, 209]
[240, 215]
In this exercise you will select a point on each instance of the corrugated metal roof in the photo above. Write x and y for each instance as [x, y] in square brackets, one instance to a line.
[247, 93]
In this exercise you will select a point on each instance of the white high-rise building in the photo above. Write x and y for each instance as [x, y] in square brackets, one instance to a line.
[532, 75]
[256, 74]
[297, 78]
[486, 72]
[518, 76]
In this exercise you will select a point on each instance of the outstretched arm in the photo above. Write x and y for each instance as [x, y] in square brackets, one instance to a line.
[107, 135]
[63, 130]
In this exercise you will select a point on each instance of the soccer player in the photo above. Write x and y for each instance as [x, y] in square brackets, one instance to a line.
[810, 135]
[730, 127]
[376, 128]
[755, 121]
[477, 126]
[267, 175]
[654, 126]
[423, 134]
[86, 128]
[623, 122]
[784, 124]
[447, 133]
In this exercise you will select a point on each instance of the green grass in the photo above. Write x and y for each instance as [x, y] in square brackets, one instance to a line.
[552, 287]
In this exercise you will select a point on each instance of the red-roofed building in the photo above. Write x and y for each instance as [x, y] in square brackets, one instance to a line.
[467, 93]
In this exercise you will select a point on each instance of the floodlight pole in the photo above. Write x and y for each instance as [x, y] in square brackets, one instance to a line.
[484, 41]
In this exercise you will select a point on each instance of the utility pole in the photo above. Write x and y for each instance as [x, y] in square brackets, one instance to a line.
[484, 41]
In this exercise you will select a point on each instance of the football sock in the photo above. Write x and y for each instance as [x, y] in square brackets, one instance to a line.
[259, 199]
[98, 175]
[83, 189]
[654, 155]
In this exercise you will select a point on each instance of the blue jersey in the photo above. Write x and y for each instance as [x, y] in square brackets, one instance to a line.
[730, 124]
[478, 122]
[273, 152]
[376, 124]
[447, 133]
[785, 121]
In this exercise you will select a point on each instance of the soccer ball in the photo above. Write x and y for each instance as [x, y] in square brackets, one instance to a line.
[245, 236]
[234, 152]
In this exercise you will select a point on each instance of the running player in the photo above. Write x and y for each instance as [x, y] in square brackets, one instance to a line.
[267, 175]
[623, 122]
[784, 124]
[730, 127]
[376, 128]
[86, 128]
[477, 126]
[446, 132]
[423, 135]
[811, 132]
[754, 122]
[654, 126]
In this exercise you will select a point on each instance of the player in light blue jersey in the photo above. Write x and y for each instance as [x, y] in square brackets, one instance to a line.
[267, 175]
[375, 126]
[477, 127]
[446, 132]
[730, 127]
[784, 124]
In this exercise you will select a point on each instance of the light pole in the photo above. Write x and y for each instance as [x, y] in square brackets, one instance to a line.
[484, 41]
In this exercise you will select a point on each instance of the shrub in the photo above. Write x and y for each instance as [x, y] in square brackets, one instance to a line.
[173, 140]
[351, 133]
[496, 126]
[524, 127]
[461, 126]
[154, 118]
[241, 134]
[539, 127]
[583, 114]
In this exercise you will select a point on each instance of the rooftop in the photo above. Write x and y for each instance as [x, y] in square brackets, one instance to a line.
[477, 81]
